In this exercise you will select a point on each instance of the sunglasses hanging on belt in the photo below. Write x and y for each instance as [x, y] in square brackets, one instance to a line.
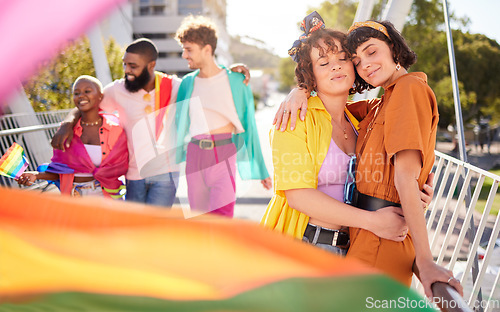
[350, 183]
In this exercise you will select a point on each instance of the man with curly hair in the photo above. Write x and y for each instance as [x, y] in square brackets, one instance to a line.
[216, 110]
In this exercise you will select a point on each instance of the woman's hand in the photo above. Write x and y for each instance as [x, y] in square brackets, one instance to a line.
[427, 192]
[389, 223]
[267, 183]
[296, 100]
[27, 178]
[429, 272]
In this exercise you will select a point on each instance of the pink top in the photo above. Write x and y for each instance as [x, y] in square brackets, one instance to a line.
[333, 172]
[211, 105]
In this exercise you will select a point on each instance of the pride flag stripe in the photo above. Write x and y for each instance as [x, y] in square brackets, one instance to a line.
[361, 293]
[7, 159]
[13, 163]
[101, 255]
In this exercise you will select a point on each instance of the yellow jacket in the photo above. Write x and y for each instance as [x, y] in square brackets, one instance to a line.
[297, 159]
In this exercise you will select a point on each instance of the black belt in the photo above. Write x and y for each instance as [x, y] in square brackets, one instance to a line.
[208, 144]
[370, 203]
[336, 238]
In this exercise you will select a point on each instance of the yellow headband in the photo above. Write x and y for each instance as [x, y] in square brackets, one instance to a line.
[371, 24]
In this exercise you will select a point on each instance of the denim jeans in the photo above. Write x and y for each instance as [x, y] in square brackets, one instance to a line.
[91, 188]
[157, 190]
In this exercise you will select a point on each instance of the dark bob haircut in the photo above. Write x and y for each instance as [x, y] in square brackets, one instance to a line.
[401, 53]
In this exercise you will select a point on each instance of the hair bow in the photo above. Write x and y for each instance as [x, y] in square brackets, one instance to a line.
[310, 24]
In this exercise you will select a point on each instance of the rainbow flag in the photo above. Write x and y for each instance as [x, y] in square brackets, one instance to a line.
[91, 254]
[13, 163]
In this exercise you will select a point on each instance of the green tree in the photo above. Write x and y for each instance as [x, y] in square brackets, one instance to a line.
[477, 59]
[478, 64]
[50, 88]
[287, 74]
[337, 14]
[114, 54]
[443, 91]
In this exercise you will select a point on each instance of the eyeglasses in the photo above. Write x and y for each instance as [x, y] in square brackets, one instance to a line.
[350, 182]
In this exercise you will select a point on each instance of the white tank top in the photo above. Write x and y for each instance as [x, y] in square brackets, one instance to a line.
[95, 154]
[211, 105]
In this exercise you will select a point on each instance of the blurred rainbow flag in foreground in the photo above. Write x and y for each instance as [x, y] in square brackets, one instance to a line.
[90, 254]
[13, 162]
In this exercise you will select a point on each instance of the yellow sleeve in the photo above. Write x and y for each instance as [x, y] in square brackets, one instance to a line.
[293, 163]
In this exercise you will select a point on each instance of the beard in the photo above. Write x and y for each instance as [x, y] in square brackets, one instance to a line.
[139, 82]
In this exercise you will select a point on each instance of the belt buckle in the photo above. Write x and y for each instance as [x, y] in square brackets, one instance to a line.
[335, 238]
[205, 147]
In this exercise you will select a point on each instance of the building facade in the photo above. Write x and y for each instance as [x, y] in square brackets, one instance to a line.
[158, 20]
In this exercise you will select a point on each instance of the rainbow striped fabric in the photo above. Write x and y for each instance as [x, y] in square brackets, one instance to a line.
[72, 254]
[13, 163]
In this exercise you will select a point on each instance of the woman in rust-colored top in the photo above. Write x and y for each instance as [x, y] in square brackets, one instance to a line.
[394, 128]
[395, 152]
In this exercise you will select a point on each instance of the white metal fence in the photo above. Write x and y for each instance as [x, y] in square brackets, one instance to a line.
[462, 238]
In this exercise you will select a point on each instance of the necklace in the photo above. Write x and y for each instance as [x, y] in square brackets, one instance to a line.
[370, 127]
[345, 131]
[94, 123]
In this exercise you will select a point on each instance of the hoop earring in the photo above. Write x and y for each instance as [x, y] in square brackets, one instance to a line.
[398, 67]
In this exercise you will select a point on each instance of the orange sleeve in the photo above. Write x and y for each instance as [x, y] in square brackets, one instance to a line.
[408, 120]
[360, 109]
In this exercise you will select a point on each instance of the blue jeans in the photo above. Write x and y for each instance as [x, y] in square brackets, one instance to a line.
[157, 190]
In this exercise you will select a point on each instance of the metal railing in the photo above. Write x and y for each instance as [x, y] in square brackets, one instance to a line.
[458, 231]
[448, 299]
[16, 128]
[13, 121]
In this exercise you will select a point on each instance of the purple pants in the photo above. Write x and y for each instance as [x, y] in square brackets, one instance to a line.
[210, 176]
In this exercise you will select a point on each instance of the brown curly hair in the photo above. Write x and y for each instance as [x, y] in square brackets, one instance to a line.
[304, 69]
[199, 30]
[401, 52]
